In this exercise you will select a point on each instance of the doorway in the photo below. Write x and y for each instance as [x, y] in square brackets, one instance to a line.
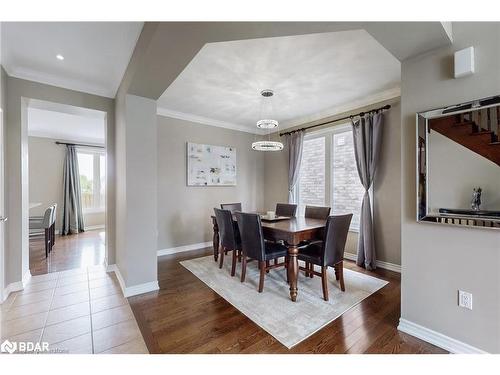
[67, 189]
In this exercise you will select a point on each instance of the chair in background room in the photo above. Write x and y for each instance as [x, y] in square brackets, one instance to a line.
[233, 207]
[229, 237]
[285, 209]
[317, 212]
[327, 253]
[255, 248]
[42, 225]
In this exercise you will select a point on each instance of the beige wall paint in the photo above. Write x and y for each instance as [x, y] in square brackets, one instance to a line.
[46, 174]
[387, 186]
[437, 260]
[18, 91]
[454, 171]
[184, 211]
[3, 106]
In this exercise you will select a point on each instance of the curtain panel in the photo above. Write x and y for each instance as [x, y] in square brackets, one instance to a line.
[72, 220]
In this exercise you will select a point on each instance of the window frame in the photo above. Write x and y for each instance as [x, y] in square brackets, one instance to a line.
[96, 179]
[329, 133]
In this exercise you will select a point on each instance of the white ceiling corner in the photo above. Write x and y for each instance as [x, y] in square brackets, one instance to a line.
[96, 54]
[314, 76]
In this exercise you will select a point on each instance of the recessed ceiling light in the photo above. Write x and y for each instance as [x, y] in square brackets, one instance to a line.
[59, 57]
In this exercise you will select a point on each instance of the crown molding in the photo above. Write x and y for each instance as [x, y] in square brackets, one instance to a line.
[368, 100]
[165, 112]
[58, 81]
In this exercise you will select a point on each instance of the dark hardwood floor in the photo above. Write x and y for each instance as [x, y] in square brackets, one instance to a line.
[74, 251]
[186, 316]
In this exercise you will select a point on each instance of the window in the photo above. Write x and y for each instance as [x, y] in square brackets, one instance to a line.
[328, 174]
[92, 166]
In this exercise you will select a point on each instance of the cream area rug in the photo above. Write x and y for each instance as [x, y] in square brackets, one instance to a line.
[289, 322]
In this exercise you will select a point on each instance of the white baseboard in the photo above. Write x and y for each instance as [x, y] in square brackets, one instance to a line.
[180, 249]
[381, 264]
[134, 289]
[436, 338]
[94, 227]
[12, 287]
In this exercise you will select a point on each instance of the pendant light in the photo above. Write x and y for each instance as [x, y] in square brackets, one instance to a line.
[267, 123]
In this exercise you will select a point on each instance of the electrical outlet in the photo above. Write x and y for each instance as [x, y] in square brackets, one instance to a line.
[465, 299]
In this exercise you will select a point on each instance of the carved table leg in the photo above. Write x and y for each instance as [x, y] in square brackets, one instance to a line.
[216, 239]
[293, 271]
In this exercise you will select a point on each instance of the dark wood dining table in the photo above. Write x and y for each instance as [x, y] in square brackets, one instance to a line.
[292, 232]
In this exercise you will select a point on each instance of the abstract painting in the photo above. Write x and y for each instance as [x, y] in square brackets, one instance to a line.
[209, 165]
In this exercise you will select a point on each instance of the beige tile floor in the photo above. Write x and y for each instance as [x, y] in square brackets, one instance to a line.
[75, 311]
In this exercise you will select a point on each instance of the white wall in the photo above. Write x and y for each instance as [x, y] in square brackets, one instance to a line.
[437, 260]
[454, 171]
[46, 174]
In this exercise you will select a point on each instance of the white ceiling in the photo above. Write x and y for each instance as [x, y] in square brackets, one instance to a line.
[65, 122]
[314, 76]
[96, 54]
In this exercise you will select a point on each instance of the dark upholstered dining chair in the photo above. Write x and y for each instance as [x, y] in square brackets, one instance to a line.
[329, 252]
[317, 212]
[233, 207]
[255, 248]
[285, 209]
[44, 225]
[229, 237]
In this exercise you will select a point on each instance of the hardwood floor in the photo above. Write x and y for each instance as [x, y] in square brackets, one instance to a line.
[186, 316]
[74, 251]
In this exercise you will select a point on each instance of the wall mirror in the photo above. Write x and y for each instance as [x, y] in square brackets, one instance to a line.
[458, 164]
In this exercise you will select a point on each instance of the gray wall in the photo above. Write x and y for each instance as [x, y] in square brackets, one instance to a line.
[16, 150]
[387, 188]
[3, 106]
[437, 260]
[184, 211]
[46, 164]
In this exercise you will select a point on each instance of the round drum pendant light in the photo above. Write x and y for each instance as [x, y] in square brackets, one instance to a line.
[267, 146]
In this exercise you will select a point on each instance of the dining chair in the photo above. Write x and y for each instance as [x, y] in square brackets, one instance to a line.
[254, 247]
[233, 207]
[229, 237]
[317, 212]
[53, 226]
[41, 225]
[285, 209]
[327, 253]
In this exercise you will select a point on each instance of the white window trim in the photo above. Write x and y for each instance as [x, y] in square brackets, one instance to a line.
[328, 133]
[96, 179]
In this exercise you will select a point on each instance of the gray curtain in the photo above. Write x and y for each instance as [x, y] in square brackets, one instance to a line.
[367, 133]
[72, 219]
[295, 142]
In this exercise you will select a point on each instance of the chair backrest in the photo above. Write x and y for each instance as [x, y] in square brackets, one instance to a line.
[336, 230]
[47, 217]
[252, 239]
[233, 207]
[317, 212]
[54, 214]
[285, 209]
[226, 229]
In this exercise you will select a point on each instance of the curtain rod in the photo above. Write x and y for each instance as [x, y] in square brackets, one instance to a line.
[78, 144]
[360, 114]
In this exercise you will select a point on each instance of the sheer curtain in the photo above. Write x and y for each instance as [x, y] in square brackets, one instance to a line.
[295, 142]
[72, 220]
[367, 134]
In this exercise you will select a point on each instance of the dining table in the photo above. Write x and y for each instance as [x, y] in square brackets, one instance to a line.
[292, 232]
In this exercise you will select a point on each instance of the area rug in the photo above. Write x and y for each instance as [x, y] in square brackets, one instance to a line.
[289, 322]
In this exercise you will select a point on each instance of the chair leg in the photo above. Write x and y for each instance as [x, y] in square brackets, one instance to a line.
[306, 271]
[324, 282]
[262, 266]
[233, 265]
[339, 270]
[47, 242]
[243, 268]
[221, 256]
[267, 265]
[311, 269]
[239, 256]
